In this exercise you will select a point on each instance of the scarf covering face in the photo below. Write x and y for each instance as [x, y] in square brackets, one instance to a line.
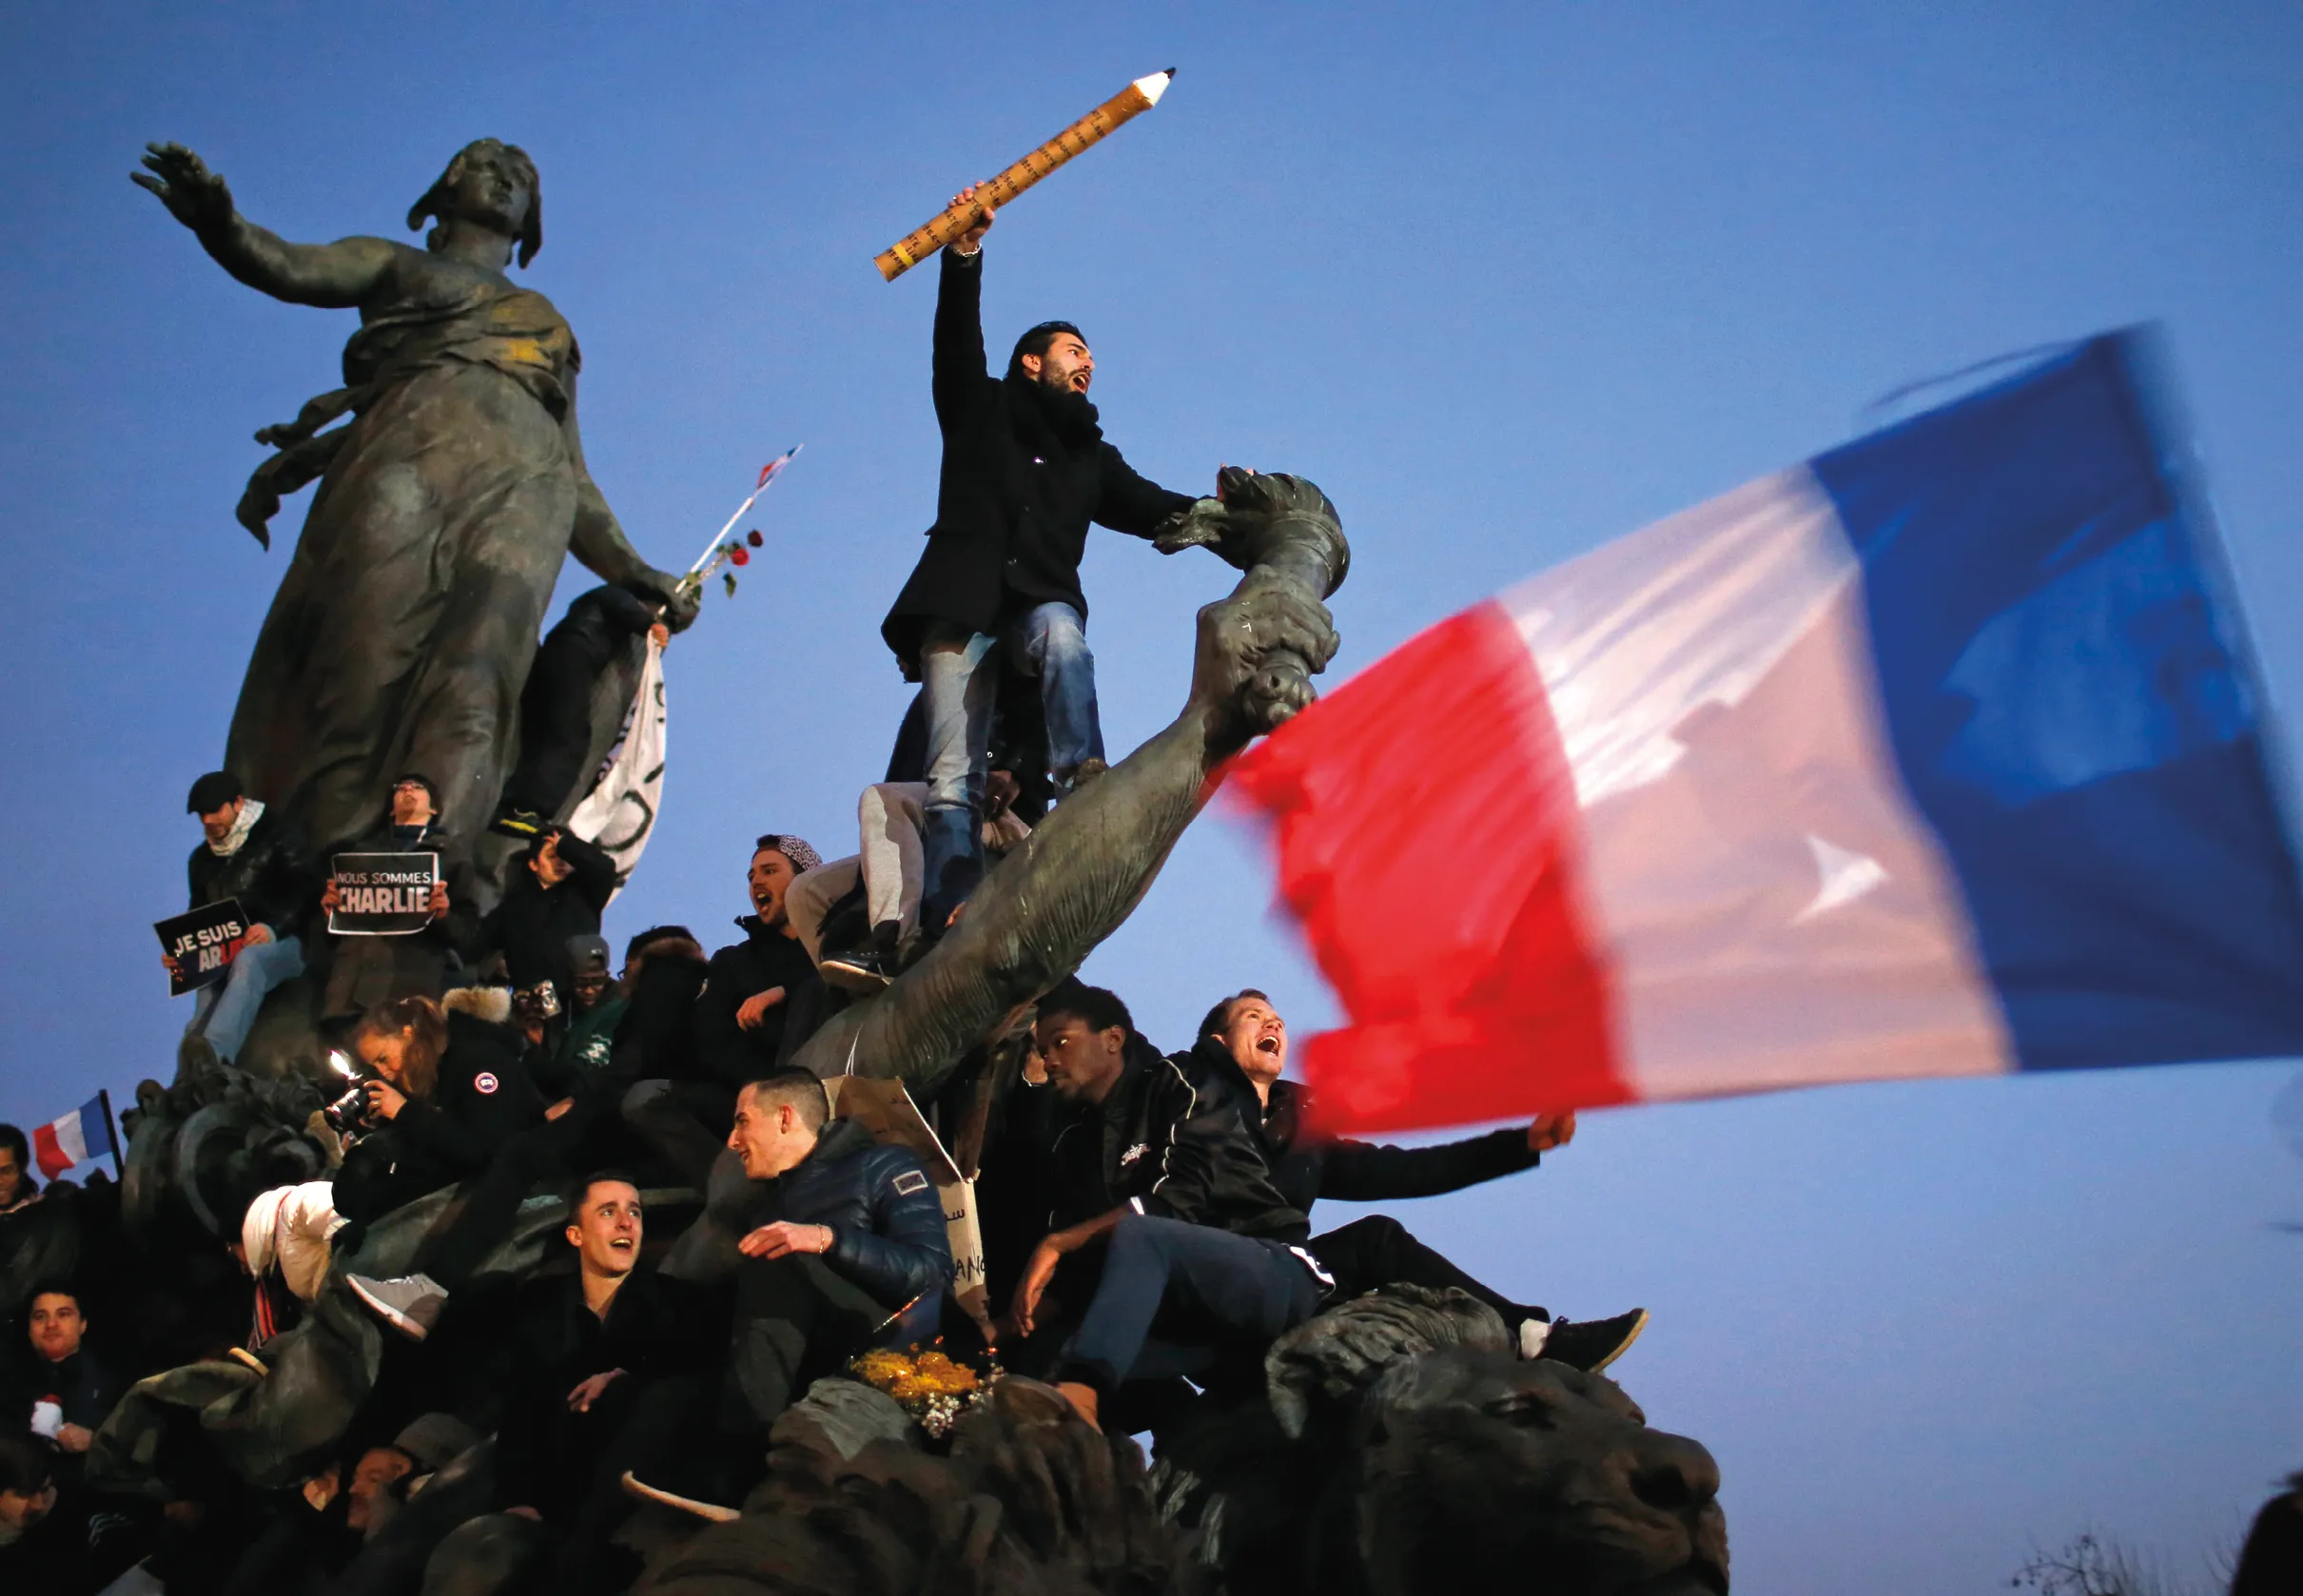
[251, 811]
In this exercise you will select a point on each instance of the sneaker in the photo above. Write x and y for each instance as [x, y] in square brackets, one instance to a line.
[864, 970]
[1591, 1345]
[510, 822]
[1087, 770]
[410, 1303]
[710, 1512]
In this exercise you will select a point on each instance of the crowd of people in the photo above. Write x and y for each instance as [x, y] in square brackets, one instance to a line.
[1145, 1214]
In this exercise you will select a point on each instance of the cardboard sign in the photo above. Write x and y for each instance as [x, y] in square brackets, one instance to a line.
[885, 1109]
[203, 943]
[383, 894]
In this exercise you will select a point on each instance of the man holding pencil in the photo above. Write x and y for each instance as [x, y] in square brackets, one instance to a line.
[1026, 469]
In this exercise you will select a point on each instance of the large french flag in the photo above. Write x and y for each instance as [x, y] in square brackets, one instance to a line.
[73, 1140]
[1939, 754]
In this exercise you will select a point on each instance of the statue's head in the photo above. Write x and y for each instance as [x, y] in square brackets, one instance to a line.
[1471, 1462]
[492, 183]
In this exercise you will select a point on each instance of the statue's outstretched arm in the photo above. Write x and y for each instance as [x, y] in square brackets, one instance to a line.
[332, 276]
[1074, 880]
[598, 539]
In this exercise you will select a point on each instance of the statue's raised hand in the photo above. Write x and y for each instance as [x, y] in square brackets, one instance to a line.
[194, 195]
[1285, 533]
[1257, 651]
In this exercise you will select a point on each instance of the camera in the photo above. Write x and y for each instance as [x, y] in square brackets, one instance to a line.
[537, 1003]
[348, 1115]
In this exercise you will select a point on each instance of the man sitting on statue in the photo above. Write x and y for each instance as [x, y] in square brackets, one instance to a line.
[556, 703]
[836, 1243]
[1026, 469]
[609, 1366]
[368, 971]
[890, 818]
[1203, 1255]
[263, 861]
[1243, 1044]
[759, 989]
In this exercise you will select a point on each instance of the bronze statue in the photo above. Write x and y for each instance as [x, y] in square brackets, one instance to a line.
[402, 631]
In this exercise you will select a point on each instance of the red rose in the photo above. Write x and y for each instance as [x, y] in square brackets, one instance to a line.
[754, 538]
[740, 555]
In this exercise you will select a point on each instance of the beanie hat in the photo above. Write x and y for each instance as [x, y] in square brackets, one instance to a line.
[803, 857]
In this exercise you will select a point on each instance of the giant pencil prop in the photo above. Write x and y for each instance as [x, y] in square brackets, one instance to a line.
[1137, 98]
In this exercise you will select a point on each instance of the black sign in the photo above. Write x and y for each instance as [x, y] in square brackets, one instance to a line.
[203, 943]
[384, 894]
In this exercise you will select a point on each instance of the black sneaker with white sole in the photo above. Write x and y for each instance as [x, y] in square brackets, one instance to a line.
[867, 969]
[1591, 1345]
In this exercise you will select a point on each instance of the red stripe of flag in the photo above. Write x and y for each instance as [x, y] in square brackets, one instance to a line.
[1427, 836]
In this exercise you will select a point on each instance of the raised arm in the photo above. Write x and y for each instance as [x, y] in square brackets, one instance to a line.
[1069, 885]
[332, 276]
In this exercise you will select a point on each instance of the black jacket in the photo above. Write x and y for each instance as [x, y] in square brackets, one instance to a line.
[485, 1096]
[272, 873]
[530, 927]
[727, 1053]
[1017, 490]
[595, 627]
[887, 1220]
[655, 1326]
[1171, 1147]
[655, 1040]
[1305, 1170]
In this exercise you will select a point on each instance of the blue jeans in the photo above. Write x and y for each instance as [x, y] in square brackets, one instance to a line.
[225, 1010]
[1202, 1286]
[960, 679]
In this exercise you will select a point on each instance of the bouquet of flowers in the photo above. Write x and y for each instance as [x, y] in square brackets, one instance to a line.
[934, 1388]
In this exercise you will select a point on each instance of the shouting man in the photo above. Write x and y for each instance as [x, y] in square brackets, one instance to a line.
[1026, 469]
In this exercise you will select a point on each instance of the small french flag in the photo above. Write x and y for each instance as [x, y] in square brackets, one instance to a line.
[73, 1140]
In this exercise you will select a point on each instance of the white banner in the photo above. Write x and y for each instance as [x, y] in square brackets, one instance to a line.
[620, 813]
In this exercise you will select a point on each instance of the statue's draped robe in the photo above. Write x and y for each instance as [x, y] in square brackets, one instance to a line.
[404, 629]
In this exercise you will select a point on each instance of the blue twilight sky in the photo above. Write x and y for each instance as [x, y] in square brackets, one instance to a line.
[1506, 281]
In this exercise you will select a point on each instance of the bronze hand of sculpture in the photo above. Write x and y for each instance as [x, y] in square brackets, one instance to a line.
[194, 195]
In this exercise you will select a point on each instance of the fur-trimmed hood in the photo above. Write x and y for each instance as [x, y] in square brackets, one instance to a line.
[491, 1005]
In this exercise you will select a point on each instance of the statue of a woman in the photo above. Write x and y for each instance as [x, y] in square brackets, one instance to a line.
[402, 632]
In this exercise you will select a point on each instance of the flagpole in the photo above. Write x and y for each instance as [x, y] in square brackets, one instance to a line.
[119, 1169]
[768, 476]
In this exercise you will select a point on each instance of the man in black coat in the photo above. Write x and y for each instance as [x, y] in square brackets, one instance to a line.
[561, 894]
[1026, 469]
[263, 861]
[1242, 1045]
[609, 1368]
[763, 986]
[1203, 1254]
[555, 704]
[365, 972]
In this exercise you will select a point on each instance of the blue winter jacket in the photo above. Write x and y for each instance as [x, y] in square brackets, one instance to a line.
[886, 1219]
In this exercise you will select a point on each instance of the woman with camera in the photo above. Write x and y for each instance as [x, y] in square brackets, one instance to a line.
[447, 1091]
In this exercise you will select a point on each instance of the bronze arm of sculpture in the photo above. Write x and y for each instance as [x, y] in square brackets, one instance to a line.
[330, 275]
[1075, 879]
